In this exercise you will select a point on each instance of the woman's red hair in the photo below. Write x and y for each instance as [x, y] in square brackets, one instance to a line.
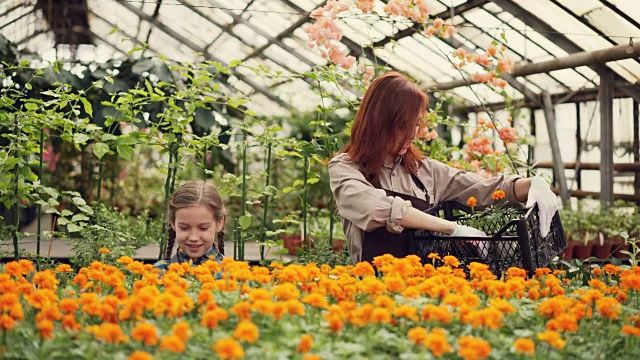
[385, 121]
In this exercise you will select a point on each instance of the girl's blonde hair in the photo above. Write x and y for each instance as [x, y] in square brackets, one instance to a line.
[196, 193]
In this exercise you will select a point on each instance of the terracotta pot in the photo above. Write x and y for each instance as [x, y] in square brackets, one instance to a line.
[292, 242]
[338, 245]
[582, 251]
[567, 253]
[602, 251]
[617, 246]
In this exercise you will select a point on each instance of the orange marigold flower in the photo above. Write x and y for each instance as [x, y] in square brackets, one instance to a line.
[246, 331]
[609, 307]
[524, 346]
[182, 330]
[6, 322]
[312, 357]
[172, 343]
[316, 300]
[631, 330]
[228, 348]
[417, 335]
[553, 338]
[146, 333]
[124, 260]
[104, 251]
[473, 348]
[140, 355]
[434, 256]
[362, 269]
[472, 201]
[63, 268]
[305, 344]
[498, 194]
[437, 343]
[597, 271]
[451, 260]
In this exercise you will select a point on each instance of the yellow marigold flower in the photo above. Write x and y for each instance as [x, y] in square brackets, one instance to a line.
[394, 283]
[312, 357]
[489, 317]
[437, 313]
[417, 335]
[514, 272]
[630, 330]
[563, 322]
[434, 256]
[553, 338]
[124, 260]
[246, 331]
[524, 346]
[305, 344]
[140, 355]
[259, 294]
[451, 260]
[411, 292]
[473, 348]
[276, 265]
[172, 343]
[371, 285]
[381, 301]
[145, 332]
[228, 348]
[104, 251]
[609, 307]
[437, 343]
[498, 194]
[182, 330]
[294, 307]
[316, 300]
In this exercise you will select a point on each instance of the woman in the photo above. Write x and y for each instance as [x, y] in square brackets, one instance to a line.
[380, 166]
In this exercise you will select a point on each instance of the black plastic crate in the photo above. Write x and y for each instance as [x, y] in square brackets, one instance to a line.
[518, 243]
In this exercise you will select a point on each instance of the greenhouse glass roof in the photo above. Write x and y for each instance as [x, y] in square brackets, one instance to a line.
[270, 33]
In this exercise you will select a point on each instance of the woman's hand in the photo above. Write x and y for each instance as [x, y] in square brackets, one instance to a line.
[540, 193]
[462, 230]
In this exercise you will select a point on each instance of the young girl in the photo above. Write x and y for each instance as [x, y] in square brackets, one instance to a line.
[196, 216]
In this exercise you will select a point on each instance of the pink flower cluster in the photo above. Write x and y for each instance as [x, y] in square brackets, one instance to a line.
[428, 135]
[324, 32]
[486, 59]
[480, 144]
[440, 29]
[507, 134]
[367, 73]
[416, 10]
[365, 5]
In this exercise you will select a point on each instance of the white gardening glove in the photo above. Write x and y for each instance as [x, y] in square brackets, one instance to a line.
[462, 230]
[540, 193]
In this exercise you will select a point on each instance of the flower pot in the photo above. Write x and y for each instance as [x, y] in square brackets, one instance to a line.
[582, 251]
[338, 245]
[618, 245]
[567, 253]
[292, 242]
[602, 251]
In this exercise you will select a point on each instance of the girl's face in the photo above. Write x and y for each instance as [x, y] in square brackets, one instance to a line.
[407, 144]
[196, 228]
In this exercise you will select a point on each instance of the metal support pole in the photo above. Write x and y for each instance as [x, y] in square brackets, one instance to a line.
[558, 164]
[578, 174]
[606, 137]
[636, 144]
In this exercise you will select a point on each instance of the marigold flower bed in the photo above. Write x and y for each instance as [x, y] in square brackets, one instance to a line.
[407, 311]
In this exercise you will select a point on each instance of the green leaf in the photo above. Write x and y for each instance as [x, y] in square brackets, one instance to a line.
[79, 217]
[125, 152]
[31, 106]
[113, 31]
[66, 212]
[87, 106]
[245, 222]
[109, 137]
[73, 227]
[80, 138]
[78, 201]
[100, 149]
[235, 63]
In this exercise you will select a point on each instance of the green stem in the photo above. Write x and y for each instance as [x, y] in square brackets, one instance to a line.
[204, 163]
[266, 204]
[39, 206]
[16, 206]
[331, 220]
[167, 194]
[304, 202]
[244, 190]
[100, 170]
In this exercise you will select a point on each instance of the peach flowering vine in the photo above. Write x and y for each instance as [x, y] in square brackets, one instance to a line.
[493, 60]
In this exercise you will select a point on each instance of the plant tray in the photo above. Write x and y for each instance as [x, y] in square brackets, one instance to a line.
[518, 243]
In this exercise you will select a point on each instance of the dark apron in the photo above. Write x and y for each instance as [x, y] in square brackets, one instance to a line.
[380, 241]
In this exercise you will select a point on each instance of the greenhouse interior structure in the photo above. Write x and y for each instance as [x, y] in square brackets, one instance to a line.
[304, 178]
